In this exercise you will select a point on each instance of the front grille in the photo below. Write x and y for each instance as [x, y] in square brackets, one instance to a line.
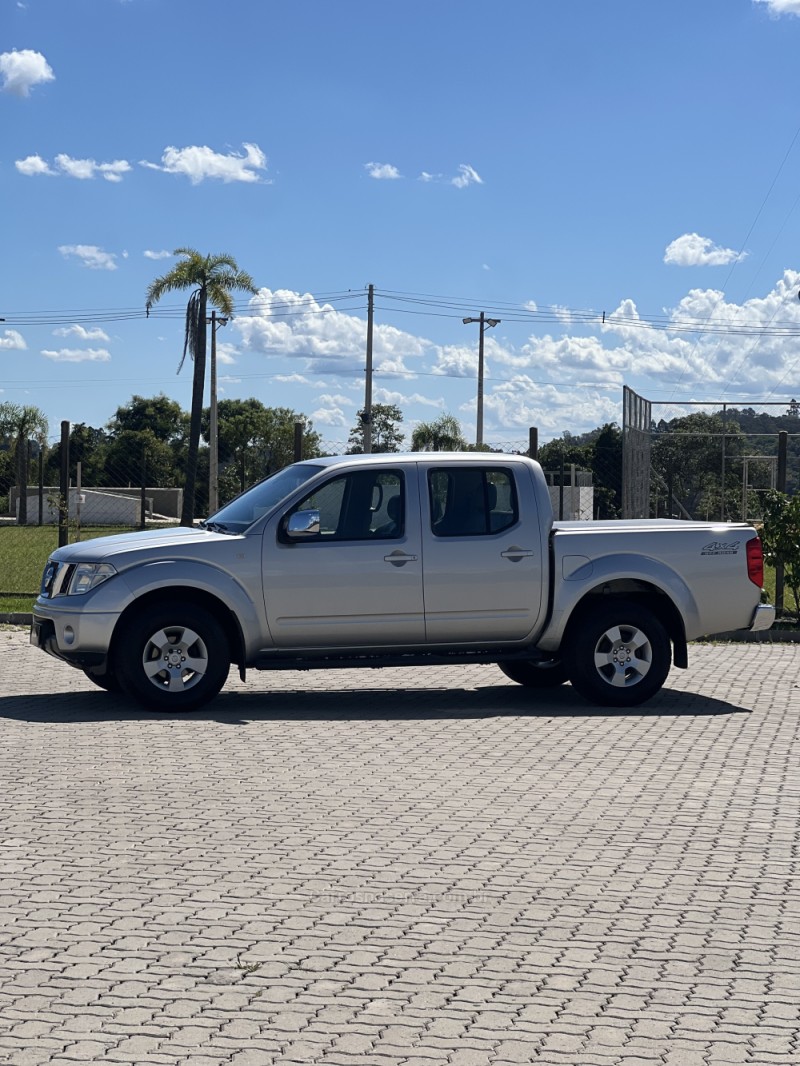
[56, 579]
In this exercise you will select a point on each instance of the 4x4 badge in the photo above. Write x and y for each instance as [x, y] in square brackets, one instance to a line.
[720, 547]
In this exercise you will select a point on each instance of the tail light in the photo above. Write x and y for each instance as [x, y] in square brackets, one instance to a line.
[755, 562]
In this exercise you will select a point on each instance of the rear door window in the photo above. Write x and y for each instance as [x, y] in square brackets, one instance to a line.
[466, 502]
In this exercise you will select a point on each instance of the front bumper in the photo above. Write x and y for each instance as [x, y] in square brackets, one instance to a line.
[71, 637]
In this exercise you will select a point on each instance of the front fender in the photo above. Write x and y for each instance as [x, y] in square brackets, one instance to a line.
[176, 574]
[579, 576]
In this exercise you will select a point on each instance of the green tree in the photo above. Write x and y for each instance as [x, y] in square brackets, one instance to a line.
[687, 455]
[23, 423]
[255, 441]
[158, 414]
[606, 465]
[386, 435]
[137, 457]
[147, 441]
[565, 450]
[89, 447]
[444, 434]
[213, 278]
[780, 537]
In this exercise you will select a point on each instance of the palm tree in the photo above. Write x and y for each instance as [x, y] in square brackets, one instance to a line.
[213, 278]
[23, 422]
[442, 435]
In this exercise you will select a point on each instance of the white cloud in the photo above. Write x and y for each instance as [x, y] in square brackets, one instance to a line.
[81, 333]
[401, 399]
[148, 254]
[331, 416]
[199, 162]
[457, 361]
[11, 341]
[82, 169]
[22, 70]
[382, 171]
[32, 165]
[90, 255]
[285, 323]
[693, 250]
[77, 355]
[781, 7]
[298, 379]
[336, 400]
[516, 405]
[467, 175]
[226, 354]
[570, 378]
[86, 169]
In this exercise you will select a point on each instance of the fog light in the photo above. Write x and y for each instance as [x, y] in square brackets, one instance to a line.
[69, 635]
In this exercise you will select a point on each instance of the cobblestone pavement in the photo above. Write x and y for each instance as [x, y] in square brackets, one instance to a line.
[402, 867]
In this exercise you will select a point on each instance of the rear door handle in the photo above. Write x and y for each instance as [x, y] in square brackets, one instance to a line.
[399, 558]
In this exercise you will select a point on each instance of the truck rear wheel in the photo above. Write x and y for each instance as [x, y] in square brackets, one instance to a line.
[619, 655]
[173, 657]
[536, 673]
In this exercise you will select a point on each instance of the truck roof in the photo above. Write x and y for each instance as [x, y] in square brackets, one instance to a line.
[389, 458]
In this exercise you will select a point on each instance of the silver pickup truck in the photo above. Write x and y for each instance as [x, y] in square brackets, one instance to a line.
[394, 560]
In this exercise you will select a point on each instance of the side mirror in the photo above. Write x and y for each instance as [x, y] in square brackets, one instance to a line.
[303, 524]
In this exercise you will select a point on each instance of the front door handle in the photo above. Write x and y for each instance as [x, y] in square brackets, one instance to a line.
[399, 558]
[514, 554]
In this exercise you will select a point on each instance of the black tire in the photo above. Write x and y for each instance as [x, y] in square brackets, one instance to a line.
[107, 681]
[172, 658]
[619, 655]
[536, 673]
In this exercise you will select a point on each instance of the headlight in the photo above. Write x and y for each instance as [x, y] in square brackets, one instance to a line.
[88, 576]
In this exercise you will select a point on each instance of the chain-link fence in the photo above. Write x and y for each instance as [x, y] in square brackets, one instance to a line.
[698, 461]
[709, 461]
[109, 484]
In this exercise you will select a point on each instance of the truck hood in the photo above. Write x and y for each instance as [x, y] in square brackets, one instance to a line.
[100, 549]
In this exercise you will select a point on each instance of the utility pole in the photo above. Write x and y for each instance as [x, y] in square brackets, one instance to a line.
[485, 323]
[366, 418]
[213, 435]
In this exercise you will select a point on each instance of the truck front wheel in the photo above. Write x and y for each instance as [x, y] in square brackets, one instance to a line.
[618, 655]
[172, 658]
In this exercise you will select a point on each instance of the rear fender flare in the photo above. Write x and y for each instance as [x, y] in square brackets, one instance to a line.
[623, 574]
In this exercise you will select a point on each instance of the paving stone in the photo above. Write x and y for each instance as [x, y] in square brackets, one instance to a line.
[452, 871]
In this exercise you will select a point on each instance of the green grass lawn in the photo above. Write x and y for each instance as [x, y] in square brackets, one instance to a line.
[23, 553]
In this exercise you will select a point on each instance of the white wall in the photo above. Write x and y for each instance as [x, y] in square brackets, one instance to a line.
[96, 509]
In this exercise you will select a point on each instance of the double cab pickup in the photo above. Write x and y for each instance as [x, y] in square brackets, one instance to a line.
[398, 560]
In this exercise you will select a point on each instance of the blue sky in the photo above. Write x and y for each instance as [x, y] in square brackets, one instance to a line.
[551, 163]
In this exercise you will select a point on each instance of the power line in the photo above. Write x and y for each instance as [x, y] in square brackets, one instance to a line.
[424, 305]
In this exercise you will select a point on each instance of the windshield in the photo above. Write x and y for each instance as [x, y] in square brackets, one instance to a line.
[239, 514]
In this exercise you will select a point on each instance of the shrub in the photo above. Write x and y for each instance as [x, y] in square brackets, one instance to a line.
[780, 537]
